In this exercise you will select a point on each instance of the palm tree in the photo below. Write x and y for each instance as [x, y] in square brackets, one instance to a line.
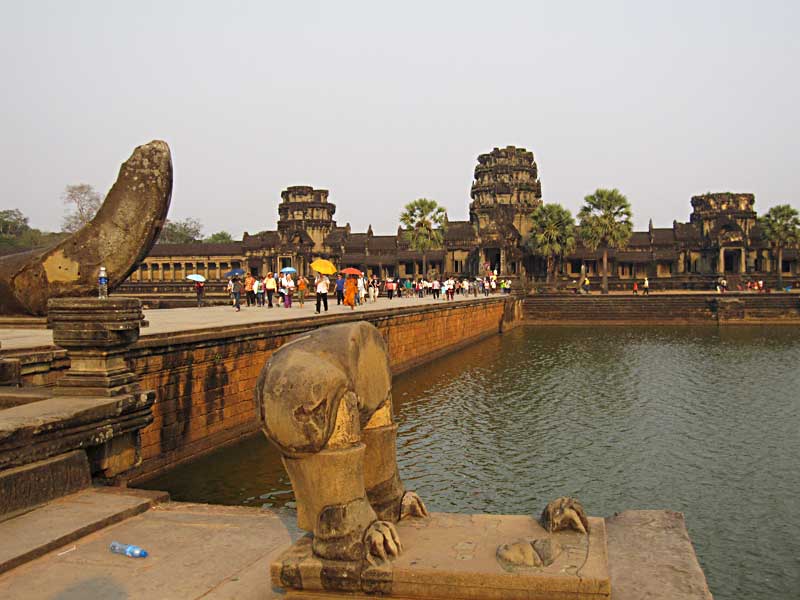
[781, 228]
[605, 222]
[423, 221]
[552, 236]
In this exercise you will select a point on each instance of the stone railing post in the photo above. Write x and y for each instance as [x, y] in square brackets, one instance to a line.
[96, 334]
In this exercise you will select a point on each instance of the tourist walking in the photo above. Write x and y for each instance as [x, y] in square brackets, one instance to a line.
[258, 288]
[646, 287]
[270, 286]
[436, 288]
[635, 288]
[289, 286]
[321, 286]
[350, 292]
[390, 285]
[236, 292]
[374, 288]
[248, 289]
[199, 289]
[362, 290]
[302, 288]
[339, 289]
[229, 290]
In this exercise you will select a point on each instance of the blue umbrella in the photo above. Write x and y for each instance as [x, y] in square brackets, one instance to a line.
[234, 273]
[288, 270]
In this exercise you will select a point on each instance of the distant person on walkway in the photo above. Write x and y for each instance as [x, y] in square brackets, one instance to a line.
[229, 289]
[302, 288]
[362, 290]
[258, 288]
[248, 289]
[390, 285]
[586, 285]
[350, 291]
[436, 288]
[374, 288]
[199, 289]
[339, 289]
[321, 285]
[236, 292]
[646, 287]
[270, 287]
[408, 288]
[635, 288]
[289, 286]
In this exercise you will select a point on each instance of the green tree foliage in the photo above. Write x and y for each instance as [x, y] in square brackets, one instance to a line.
[553, 235]
[781, 227]
[16, 235]
[187, 231]
[220, 237]
[13, 222]
[423, 221]
[82, 202]
[605, 222]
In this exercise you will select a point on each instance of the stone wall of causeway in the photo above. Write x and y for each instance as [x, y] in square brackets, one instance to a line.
[711, 309]
[205, 379]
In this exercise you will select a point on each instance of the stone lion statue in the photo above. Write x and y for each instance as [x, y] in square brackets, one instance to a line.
[325, 401]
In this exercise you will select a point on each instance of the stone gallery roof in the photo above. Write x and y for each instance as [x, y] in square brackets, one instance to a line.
[663, 236]
[460, 231]
[382, 244]
[197, 249]
[263, 238]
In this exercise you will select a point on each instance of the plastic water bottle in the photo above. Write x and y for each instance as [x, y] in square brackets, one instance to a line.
[102, 284]
[128, 550]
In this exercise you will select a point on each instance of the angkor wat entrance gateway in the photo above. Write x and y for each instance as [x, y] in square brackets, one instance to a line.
[722, 237]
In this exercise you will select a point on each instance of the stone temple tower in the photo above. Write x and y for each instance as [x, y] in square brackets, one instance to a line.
[505, 192]
[304, 209]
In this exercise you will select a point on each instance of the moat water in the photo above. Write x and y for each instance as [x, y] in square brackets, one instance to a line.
[705, 421]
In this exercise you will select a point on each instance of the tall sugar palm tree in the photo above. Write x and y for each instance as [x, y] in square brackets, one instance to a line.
[781, 228]
[423, 221]
[553, 235]
[605, 222]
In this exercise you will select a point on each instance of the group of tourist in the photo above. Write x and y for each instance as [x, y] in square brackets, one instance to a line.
[645, 287]
[282, 289]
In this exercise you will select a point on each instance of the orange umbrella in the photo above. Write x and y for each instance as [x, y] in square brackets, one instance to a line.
[351, 271]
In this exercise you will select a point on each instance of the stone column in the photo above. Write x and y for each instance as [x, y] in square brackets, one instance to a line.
[502, 261]
[743, 262]
[96, 334]
[721, 262]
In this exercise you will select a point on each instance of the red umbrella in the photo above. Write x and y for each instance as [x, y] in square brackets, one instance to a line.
[351, 271]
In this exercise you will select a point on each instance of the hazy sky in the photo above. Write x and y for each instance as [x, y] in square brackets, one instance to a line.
[384, 102]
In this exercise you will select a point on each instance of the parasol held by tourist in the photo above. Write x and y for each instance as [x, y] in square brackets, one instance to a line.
[325, 267]
[351, 271]
[234, 273]
[196, 277]
[288, 270]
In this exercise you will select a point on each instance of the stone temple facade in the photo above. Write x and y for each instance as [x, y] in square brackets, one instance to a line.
[722, 237]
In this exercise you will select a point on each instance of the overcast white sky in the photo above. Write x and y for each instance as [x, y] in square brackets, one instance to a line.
[384, 102]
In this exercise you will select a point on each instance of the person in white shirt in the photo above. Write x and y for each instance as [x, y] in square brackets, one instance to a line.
[322, 285]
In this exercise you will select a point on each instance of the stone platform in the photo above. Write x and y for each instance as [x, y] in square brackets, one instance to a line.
[225, 552]
[453, 556]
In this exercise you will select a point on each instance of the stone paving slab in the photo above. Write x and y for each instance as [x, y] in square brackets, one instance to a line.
[195, 550]
[66, 519]
[169, 320]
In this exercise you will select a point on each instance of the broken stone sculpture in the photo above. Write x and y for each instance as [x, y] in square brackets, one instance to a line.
[562, 513]
[118, 238]
[326, 403]
[565, 513]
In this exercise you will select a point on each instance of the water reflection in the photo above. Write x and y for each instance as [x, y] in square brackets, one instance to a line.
[701, 420]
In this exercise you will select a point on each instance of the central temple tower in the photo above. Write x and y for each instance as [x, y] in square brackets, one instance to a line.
[304, 209]
[505, 192]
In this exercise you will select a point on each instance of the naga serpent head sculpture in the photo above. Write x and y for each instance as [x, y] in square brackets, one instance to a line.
[118, 238]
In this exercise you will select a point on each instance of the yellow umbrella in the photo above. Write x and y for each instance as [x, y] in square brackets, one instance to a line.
[323, 266]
